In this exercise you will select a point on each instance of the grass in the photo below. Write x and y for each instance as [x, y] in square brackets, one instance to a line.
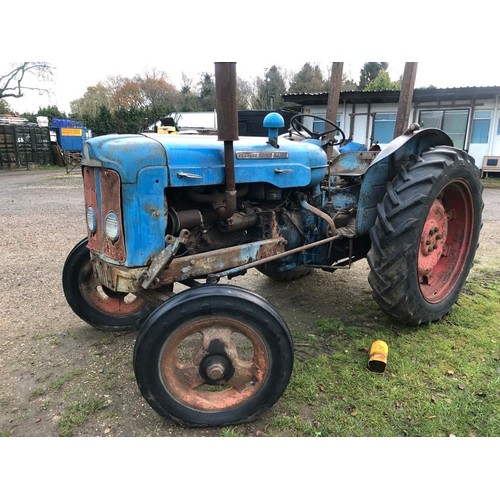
[440, 380]
[76, 414]
[491, 182]
[57, 383]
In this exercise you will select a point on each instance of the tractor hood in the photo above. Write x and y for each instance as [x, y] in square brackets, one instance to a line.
[199, 160]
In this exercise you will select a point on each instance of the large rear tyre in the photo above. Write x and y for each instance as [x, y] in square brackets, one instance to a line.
[426, 235]
[95, 304]
[214, 355]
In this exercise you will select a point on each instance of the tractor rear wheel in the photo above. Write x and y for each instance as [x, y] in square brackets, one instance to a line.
[213, 355]
[426, 235]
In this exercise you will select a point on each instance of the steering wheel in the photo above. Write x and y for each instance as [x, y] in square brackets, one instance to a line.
[299, 128]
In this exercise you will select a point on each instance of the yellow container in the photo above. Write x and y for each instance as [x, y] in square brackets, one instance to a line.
[378, 356]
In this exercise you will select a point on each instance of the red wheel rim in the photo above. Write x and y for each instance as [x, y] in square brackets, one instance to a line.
[445, 241]
[108, 302]
[184, 354]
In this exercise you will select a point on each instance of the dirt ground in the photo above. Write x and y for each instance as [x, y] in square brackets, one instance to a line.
[56, 370]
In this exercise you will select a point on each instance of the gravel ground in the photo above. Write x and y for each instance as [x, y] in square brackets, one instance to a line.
[57, 371]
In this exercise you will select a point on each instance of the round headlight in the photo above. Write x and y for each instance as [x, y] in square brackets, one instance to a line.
[91, 220]
[111, 226]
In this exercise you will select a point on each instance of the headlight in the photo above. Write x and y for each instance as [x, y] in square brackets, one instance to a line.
[91, 220]
[111, 226]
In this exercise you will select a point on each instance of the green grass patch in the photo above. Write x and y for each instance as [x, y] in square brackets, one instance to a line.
[491, 182]
[57, 383]
[441, 380]
[230, 431]
[76, 414]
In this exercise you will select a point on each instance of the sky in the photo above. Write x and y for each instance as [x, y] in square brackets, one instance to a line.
[86, 45]
[71, 78]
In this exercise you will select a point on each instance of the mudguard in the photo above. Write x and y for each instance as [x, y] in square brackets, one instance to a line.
[386, 165]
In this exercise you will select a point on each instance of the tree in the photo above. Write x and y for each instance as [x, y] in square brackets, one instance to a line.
[18, 79]
[50, 112]
[188, 99]
[245, 93]
[269, 89]
[207, 92]
[102, 123]
[128, 95]
[89, 104]
[160, 96]
[383, 82]
[308, 79]
[348, 83]
[369, 72]
[129, 120]
[5, 108]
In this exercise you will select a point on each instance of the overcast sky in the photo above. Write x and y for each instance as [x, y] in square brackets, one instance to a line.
[96, 39]
[71, 78]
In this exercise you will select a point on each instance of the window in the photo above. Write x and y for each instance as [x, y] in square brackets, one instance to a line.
[383, 127]
[498, 129]
[319, 126]
[451, 121]
[481, 127]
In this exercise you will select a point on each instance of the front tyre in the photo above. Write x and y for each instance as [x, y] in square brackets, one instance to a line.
[214, 355]
[95, 304]
[426, 235]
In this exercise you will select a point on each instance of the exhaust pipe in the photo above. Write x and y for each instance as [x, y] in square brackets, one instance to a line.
[226, 106]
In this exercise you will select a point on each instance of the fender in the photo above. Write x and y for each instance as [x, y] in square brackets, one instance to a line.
[387, 164]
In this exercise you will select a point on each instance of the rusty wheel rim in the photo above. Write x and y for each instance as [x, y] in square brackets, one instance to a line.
[102, 299]
[214, 364]
[445, 241]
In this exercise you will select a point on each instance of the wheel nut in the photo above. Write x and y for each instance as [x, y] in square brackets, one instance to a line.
[429, 249]
[435, 246]
[216, 371]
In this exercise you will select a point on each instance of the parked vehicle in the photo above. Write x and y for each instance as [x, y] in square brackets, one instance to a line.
[163, 209]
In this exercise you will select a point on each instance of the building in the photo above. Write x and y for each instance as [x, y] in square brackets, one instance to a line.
[469, 115]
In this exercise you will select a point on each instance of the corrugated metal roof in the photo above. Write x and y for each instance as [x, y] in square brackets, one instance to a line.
[419, 95]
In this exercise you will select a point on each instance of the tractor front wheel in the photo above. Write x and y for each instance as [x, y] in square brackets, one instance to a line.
[100, 307]
[426, 235]
[213, 355]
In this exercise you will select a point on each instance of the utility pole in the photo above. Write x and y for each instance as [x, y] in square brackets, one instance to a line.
[405, 98]
[334, 97]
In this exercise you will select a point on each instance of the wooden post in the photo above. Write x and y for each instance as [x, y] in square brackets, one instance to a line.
[405, 98]
[334, 97]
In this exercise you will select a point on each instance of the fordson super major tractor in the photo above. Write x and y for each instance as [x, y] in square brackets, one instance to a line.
[164, 209]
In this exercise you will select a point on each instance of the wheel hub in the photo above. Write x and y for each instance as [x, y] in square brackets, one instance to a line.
[433, 239]
[214, 368]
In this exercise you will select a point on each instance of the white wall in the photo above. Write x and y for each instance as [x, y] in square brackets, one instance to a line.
[478, 151]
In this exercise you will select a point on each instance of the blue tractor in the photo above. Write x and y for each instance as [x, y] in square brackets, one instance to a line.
[165, 209]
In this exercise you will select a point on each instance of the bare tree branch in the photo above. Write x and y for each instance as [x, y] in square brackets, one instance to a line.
[11, 84]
